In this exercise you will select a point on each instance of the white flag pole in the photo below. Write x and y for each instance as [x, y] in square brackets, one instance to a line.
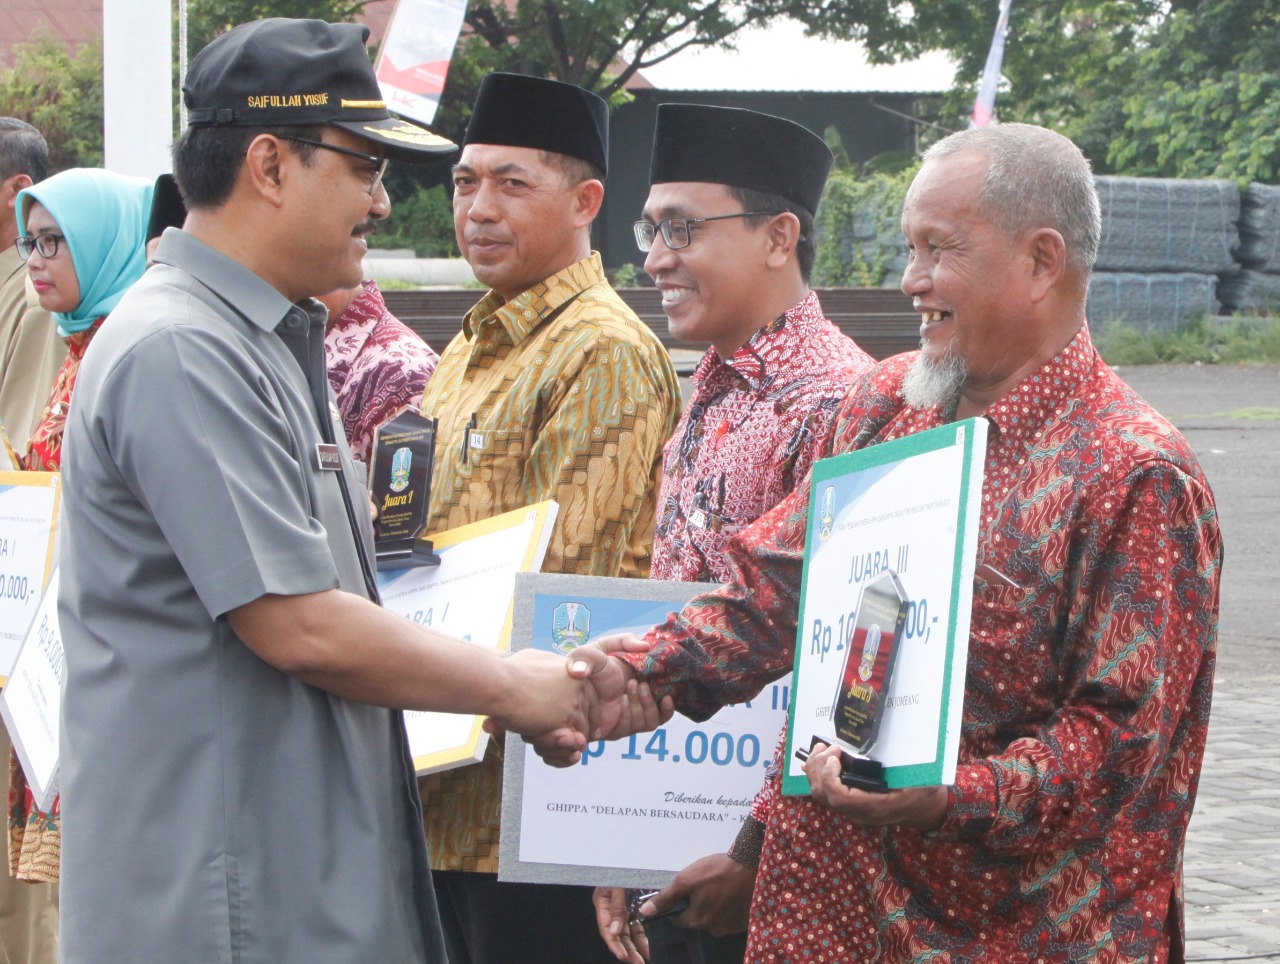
[137, 86]
[984, 107]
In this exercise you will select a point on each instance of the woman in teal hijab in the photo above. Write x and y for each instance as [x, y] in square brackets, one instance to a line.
[83, 235]
[103, 218]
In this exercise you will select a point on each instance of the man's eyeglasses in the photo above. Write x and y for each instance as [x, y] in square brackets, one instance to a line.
[379, 163]
[46, 245]
[677, 232]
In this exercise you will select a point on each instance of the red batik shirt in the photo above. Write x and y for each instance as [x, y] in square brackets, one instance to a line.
[377, 367]
[44, 448]
[1086, 703]
[754, 425]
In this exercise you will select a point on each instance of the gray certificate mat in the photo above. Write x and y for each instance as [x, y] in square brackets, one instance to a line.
[637, 809]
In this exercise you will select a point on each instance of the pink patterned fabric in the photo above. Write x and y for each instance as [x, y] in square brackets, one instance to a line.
[377, 367]
[753, 427]
[1086, 700]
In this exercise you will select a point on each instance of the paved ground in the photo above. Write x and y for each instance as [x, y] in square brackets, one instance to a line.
[1231, 415]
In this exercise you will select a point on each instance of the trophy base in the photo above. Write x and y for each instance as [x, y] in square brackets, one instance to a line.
[856, 772]
[410, 554]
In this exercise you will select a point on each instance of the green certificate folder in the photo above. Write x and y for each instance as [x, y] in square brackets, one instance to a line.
[887, 591]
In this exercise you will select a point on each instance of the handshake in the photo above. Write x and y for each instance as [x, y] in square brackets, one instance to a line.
[559, 704]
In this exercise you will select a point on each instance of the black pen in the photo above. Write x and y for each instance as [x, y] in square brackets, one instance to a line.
[466, 437]
[679, 907]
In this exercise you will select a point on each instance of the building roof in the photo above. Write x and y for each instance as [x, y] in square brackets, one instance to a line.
[73, 22]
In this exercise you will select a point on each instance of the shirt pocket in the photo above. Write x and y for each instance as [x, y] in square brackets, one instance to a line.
[1011, 657]
[497, 455]
[1002, 611]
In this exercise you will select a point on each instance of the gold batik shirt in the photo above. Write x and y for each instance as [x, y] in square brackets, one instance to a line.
[564, 394]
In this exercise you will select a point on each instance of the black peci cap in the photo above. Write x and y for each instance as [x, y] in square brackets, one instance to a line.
[167, 209]
[282, 72]
[546, 115]
[740, 148]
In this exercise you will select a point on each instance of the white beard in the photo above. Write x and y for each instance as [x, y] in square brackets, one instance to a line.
[931, 383]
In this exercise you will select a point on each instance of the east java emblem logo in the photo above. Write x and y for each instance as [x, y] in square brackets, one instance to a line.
[400, 464]
[570, 626]
[828, 512]
[870, 648]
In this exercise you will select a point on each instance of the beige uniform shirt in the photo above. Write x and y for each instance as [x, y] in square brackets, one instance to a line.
[31, 352]
[564, 394]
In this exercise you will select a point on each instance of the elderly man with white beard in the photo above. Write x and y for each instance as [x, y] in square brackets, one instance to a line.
[1090, 669]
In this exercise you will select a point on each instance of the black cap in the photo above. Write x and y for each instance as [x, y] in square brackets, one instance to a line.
[546, 115]
[740, 148]
[282, 72]
[167, 209]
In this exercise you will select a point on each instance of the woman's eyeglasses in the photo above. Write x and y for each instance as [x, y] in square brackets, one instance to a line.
[46, 245]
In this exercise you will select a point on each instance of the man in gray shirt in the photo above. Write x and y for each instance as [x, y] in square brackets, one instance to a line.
[234, 787]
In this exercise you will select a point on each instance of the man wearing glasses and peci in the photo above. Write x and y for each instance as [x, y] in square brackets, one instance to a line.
[729, 240]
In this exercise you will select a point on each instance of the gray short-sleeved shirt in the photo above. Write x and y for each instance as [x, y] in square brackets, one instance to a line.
[215, 809]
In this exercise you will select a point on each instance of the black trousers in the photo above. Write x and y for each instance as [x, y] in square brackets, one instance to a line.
[670, 944]
[488, 922]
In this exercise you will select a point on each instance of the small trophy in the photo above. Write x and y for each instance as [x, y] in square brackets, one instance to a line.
[858, 707]
[403, 454]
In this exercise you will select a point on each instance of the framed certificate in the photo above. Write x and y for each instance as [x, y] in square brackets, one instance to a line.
[886, 594]
[633, 811]
[28, 526]
[31, 703]
[467, 595]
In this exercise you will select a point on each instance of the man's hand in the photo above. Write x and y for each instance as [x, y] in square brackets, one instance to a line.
[637, 710]
[719, 891]
[923, 808]
[626, 941]
[544, 702]
[623, 706]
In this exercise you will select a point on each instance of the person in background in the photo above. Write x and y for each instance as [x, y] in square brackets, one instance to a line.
[30, 350]
[729, 241]
[378, 366]
[553, 389]
[167, 211]
[30, 355]
[84, 241]
[1090, 657]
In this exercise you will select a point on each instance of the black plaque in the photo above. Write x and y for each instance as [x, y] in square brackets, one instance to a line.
[858, 707]
[403, 454]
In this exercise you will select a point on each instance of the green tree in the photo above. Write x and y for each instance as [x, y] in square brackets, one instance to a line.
[597, 44]
[1172, 88]
[1068, 64]
[207, 19]
[1207, 98]
[603, 44]
[61, 95]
